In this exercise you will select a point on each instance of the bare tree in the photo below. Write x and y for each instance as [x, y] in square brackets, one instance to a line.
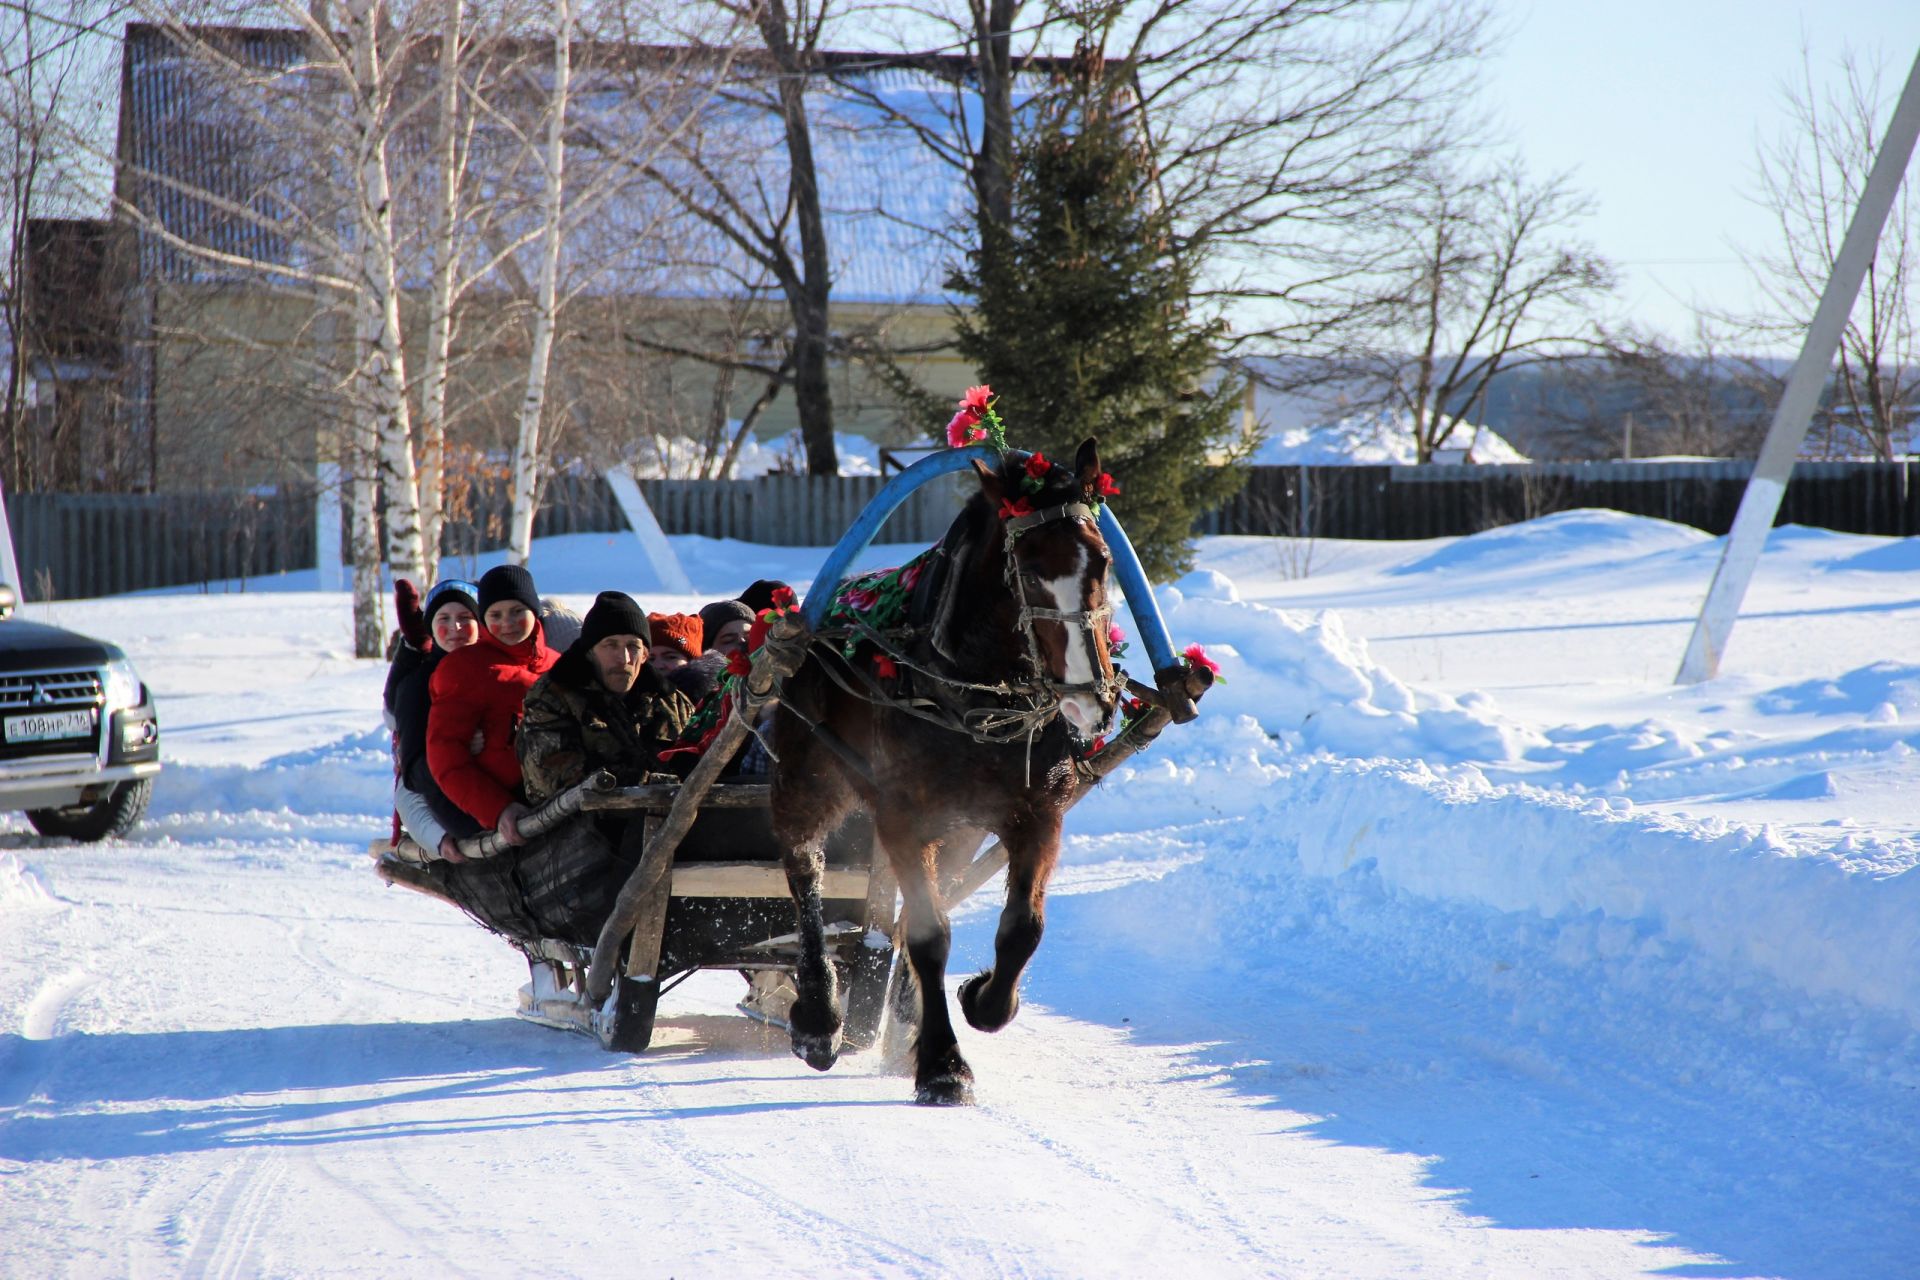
[715, 177]
[1811, 176]
[1468, 275]
[1273, 124]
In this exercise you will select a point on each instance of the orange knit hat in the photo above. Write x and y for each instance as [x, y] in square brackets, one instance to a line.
[680, 630]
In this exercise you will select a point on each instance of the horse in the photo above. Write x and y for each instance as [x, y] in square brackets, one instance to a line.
[989, 699]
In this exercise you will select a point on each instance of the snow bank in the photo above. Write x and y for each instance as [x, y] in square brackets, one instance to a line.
[1635, 897]
[1580, 536]
[1332, 768]
[20, 887]
[353, 775]
[1306, 682]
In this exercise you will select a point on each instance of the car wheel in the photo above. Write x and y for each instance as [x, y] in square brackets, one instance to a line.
[116, 815]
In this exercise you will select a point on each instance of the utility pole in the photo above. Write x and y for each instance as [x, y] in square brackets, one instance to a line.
[1768, 484]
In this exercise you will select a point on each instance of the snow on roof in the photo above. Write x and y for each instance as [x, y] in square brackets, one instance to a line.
[888, 198]
[1382, 437]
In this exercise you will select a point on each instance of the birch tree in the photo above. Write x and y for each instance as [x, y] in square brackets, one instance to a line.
[526, 451]
[300, 200]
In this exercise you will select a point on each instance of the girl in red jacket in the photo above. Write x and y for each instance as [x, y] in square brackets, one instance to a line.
[477, 693]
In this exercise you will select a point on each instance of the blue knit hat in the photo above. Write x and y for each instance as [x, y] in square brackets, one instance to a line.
[452, 591]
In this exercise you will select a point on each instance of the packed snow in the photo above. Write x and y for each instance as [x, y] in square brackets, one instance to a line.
[1453, 939]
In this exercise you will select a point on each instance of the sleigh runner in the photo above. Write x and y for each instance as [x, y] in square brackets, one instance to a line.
[715, 886]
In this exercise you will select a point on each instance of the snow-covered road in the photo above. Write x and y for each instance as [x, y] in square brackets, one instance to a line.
[1264, 1037]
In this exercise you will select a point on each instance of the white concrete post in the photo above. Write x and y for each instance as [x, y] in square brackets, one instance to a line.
[326, 527]
[665, 572]
[1768, 485]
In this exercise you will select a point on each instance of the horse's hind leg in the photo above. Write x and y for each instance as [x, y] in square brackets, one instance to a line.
[990, 999]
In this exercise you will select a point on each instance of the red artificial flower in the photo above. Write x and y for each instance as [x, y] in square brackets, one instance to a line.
[885, 667]
[1105, 486]
[1038, 466]
[738, 664]
[1197, 656]
[783, 598]
[964, 430]
[1017, 507]
[1100, 743]
[757, 633]
[1115, 635]
[976, 401]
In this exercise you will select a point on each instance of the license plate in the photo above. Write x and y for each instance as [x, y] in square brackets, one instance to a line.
[48, 726]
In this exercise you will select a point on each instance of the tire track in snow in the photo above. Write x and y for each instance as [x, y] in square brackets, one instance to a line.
[223, 1245]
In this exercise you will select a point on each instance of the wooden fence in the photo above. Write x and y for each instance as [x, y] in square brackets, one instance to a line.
[71, 545]
[77, 545]
[1433, 502]
[95, 544]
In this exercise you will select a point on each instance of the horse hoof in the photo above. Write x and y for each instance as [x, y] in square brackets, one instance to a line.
[983, 1017]
[945, 1091]
[818, 1051]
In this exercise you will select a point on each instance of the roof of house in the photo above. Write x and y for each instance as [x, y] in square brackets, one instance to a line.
[197, 157]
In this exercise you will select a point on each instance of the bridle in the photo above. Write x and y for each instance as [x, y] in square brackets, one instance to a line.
[1103, 688]
[1001, 713]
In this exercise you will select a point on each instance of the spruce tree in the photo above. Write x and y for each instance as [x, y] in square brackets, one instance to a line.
[1083, 325]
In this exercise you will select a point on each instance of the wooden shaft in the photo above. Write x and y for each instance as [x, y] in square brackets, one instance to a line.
[658, 858]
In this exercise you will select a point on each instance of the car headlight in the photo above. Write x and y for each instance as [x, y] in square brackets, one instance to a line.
[123, 686]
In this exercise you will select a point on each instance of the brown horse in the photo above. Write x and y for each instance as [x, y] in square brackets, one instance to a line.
[1008, 670]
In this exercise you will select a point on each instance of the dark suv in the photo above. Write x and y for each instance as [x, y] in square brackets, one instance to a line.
[79, 742]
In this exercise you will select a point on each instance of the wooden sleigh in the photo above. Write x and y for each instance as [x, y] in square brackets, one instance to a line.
[709, 891]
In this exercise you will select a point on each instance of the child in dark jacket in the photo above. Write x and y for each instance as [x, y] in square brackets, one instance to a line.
[450, 621]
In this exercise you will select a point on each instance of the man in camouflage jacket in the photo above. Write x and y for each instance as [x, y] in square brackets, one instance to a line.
[600, 707]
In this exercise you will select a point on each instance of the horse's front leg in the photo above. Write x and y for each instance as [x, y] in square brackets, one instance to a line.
[941, 1076]
[814, 1020]
[804, 814]
[990, 999]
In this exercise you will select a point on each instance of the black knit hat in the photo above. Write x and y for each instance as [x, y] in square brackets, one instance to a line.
[760, 595]
[720, 613]
[614, 613]
[507, 582]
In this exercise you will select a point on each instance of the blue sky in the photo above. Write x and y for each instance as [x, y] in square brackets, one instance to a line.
[1656, 109]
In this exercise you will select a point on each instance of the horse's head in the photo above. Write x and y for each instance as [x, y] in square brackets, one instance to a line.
[1055, 565]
